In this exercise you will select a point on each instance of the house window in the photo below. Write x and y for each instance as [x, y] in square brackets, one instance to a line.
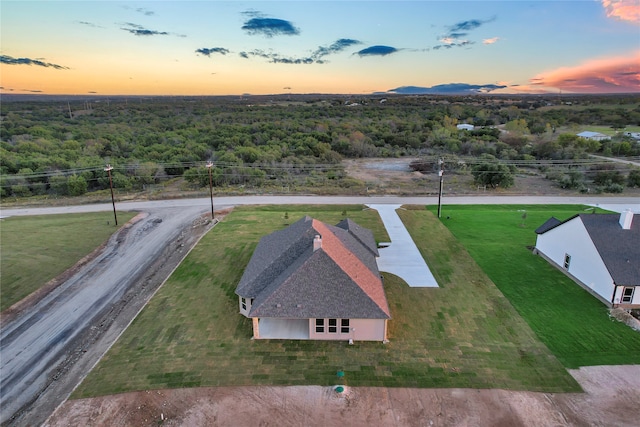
[344, 326]
[320, 326]
[333, 326]
[567, 261]
[243, 302]
[627, 295]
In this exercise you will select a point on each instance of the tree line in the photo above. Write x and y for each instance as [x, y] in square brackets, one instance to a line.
[61, 147]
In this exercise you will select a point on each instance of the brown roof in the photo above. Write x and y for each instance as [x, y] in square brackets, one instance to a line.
[368, 281]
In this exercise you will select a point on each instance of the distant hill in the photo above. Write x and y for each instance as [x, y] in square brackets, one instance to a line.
[447, 89]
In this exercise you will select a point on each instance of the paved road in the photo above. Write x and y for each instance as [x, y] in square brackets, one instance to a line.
[34, 343]
[223, 202]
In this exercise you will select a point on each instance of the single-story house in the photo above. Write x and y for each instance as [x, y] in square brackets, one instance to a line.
[315, 281]
[464, 126]
[596, 136]
[601, 252]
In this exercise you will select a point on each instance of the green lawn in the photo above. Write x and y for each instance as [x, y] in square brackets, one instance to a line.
[573, 324]
[35, 249]
[465, 334]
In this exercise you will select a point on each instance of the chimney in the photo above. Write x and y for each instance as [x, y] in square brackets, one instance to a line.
[626, 218]
[317, 242]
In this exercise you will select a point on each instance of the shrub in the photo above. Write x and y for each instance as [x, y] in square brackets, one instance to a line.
[614, 188]
[633, 180]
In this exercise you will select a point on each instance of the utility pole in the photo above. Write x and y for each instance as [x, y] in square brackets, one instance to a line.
[440, 174]
[209, 166]
[113, 201]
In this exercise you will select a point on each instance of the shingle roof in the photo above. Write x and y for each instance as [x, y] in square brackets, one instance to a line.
[288, 279]
[548, 225]
[618, 248]
[364, 235]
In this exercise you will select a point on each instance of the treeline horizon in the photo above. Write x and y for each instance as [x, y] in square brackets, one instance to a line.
[61, 147]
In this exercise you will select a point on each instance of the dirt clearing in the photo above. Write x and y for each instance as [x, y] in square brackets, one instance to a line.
[611, 398]
[395, 176]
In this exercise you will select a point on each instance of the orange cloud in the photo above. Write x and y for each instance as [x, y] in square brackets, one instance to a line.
[625, 10]
[492, 40]
[605, 75]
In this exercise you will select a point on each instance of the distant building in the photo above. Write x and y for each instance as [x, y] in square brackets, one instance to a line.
[594, 136]
[465, 126]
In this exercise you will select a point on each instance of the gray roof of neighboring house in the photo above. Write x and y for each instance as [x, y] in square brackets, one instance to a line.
[618, 248]
[286, 278]
[548, 225]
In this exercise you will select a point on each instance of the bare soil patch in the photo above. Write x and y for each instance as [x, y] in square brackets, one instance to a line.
[394, 176]
[611, 397]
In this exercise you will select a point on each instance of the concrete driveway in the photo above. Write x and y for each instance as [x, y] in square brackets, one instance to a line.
[402, 256]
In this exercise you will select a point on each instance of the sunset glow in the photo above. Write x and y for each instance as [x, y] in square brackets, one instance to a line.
[608, 75]
[264, 47]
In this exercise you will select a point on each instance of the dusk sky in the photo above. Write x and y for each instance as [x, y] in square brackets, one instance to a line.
[355, 47]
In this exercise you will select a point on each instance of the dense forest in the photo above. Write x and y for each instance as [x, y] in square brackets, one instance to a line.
[61, 145]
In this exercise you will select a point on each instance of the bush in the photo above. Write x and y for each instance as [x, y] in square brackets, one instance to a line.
[573, 180]
[493, 174]
[58, 185]
[633, 180]
[614, 188]
[76, 185]
[608, 177]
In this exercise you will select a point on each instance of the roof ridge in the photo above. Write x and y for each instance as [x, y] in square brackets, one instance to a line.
[251, 282]
[352, 266]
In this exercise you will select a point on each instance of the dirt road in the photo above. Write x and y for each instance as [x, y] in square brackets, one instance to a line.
[41, 344]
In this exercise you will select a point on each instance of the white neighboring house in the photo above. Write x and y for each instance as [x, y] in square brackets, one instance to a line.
[601, 252]
[464, 126]
[595, 136]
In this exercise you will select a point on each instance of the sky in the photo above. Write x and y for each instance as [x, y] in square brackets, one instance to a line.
[240, 47]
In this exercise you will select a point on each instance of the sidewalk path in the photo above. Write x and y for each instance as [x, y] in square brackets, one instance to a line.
[402, 256]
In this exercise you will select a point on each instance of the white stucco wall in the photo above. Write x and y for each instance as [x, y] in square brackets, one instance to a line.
[586, 265]
[360, 330]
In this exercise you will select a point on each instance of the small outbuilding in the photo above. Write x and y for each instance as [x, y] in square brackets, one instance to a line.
[600, 252]
[314, 281]
[465, 126]
[594, 136]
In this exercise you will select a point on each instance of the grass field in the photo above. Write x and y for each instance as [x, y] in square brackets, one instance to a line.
[36, 249]
[573, 324]
[464, 334]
